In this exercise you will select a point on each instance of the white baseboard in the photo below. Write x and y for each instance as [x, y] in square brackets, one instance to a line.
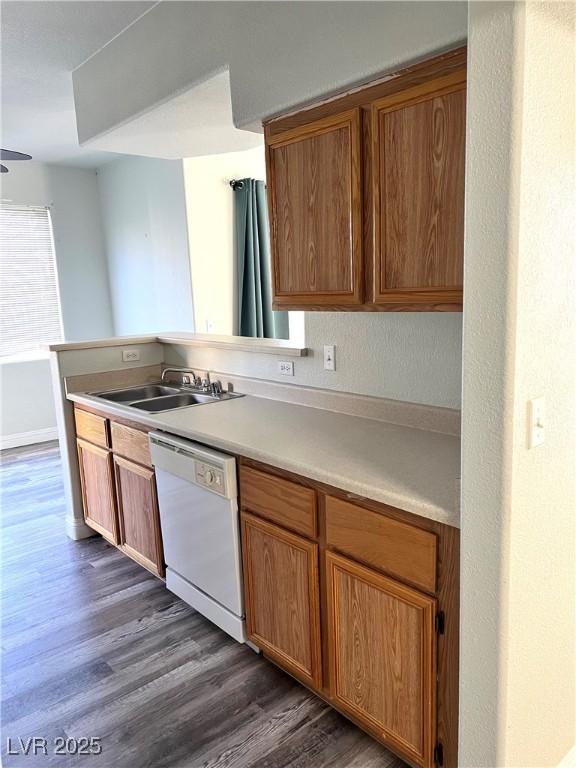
[28, 438]
[569, 760]
[77, 529]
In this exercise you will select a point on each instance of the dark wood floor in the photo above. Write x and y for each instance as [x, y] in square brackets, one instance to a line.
[93, 645]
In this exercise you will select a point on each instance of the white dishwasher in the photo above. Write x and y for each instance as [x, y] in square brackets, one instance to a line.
[198, 503]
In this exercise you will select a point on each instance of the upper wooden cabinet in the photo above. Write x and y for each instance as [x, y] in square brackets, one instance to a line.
[314, 188]
[418, 193]
[366, 195]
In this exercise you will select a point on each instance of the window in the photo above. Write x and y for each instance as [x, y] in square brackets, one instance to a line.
[29, 302]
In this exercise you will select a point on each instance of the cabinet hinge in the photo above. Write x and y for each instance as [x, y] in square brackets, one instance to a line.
[439, 754]
[440, 622]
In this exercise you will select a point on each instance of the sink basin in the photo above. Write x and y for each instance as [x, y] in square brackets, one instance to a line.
[155, 398]
[138, 393]
[168, 403]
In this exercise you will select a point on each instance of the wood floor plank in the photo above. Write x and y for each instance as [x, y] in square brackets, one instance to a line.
[94, 645]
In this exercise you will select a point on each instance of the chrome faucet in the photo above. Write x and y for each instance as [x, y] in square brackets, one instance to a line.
[213, 387]
[216, 388]
[189, 378]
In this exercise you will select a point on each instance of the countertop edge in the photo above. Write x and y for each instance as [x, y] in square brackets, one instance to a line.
[429, 511]
[283, 347]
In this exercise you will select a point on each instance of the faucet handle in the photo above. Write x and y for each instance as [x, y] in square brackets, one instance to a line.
[206, 382]
[216, 387]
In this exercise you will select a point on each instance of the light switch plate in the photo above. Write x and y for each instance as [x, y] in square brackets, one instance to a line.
[329, 357]
[286, 367]
[536, 418]
[130, 355]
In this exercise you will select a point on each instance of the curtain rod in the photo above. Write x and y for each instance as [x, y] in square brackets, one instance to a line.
[235, 184]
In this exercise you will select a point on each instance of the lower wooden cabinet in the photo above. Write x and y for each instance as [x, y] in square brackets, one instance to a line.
[382, 649]
[97, 480]
[282, 587]
[139, 521]
[119, 487]
[362, 608]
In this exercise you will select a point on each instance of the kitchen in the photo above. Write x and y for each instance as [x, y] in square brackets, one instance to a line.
[313, 495]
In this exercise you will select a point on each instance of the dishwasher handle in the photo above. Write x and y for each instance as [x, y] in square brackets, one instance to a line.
[196, 463]
[165, 445]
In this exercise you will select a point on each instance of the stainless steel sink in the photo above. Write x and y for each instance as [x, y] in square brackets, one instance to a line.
[155, 398]
[138, 393]
[170, 402]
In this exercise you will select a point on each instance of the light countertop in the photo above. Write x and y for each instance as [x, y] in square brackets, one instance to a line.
[412, 469]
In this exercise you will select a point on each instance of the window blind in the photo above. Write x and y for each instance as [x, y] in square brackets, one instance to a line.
[29, 302]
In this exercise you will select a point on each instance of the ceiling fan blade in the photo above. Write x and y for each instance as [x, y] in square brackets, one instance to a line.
[3, 169]
[10, 154]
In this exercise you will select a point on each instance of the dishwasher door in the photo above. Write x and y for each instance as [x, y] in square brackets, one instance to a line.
[201, 538]
[197, 499]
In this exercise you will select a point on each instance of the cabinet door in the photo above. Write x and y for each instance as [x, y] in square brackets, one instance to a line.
[98, 489]
[140, 535]
[418, 194]
[281, 586]
[314, 188]
[383, 656]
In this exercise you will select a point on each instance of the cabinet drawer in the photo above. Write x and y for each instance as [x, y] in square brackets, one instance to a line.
[92, 427]
[288, 504]
[130, 443]
[396, 548]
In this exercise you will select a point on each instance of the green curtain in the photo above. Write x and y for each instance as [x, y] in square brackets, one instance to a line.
[255, 315]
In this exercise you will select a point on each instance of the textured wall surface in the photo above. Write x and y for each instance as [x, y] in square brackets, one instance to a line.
[27, 402]
[517, 676]
[412, 357]
[144, 216]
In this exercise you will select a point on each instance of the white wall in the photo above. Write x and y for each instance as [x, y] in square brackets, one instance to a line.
[72, 194]
[412, 357]
[210, 214]
[144, 217]
[406, 356]
[27, 403]
[518, 640]
[279, 54]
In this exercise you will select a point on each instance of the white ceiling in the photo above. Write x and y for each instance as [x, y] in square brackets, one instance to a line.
[197, 122]
[42, 42]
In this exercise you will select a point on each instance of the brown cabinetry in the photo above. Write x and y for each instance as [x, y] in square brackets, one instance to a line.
[418, 193]
[382, 647]
[139, 521]
[279, 500]
[98, 497]
[314, 184]
[366, 195]
[119, 487]
[361, 605]
[282, 597]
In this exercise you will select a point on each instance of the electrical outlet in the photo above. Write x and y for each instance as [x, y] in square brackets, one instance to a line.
[286, 367]
[536, 415]
[329, 357]
[130, 355]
